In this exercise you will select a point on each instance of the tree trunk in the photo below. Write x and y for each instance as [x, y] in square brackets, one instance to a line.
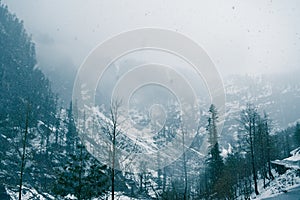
[164, 179]
[112, 183]
[113, 161]
[141, 182]
[184, 167]
[80, 172]
[23, 153]
[268, 153]
[252, 155]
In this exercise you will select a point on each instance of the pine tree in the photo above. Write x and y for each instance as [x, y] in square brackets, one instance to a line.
[97, 179]
[21, 83]
[82, 176]
[215, 160]
[71, 177]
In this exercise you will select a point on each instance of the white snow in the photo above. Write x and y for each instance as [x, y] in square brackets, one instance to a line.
[292, 162]
[28, 193]
[281, 183]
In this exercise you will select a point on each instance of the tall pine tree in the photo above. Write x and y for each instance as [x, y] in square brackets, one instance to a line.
[215, 161]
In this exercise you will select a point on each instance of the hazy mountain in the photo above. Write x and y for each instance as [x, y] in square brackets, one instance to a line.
[278, 94]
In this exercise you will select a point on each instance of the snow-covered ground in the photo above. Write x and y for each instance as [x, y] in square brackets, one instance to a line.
[292, 194]
[32, 194]
[118, 196]
[285, 182]
[28, 193]
[281, 184]
[289, 181]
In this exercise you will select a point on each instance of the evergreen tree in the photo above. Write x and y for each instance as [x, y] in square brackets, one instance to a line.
[20, 80]
[82, 176]
[71, 180]
[97, 178]
[21, 83]
[232, 172]
[215, 160]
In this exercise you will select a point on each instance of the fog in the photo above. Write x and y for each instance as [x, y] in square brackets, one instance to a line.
[239, 36]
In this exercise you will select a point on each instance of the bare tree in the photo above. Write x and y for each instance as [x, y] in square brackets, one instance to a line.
[267, 127]
[114, 116]
[249, 124]
[110, 127]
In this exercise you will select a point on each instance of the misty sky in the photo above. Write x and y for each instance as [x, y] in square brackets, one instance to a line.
[239, 36]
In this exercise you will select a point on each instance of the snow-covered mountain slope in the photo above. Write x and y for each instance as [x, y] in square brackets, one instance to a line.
[278, 96]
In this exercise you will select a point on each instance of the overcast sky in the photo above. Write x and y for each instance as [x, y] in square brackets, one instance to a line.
[239, 36]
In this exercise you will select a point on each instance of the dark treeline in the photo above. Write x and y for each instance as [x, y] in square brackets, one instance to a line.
[40, 147]
[38, 139]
